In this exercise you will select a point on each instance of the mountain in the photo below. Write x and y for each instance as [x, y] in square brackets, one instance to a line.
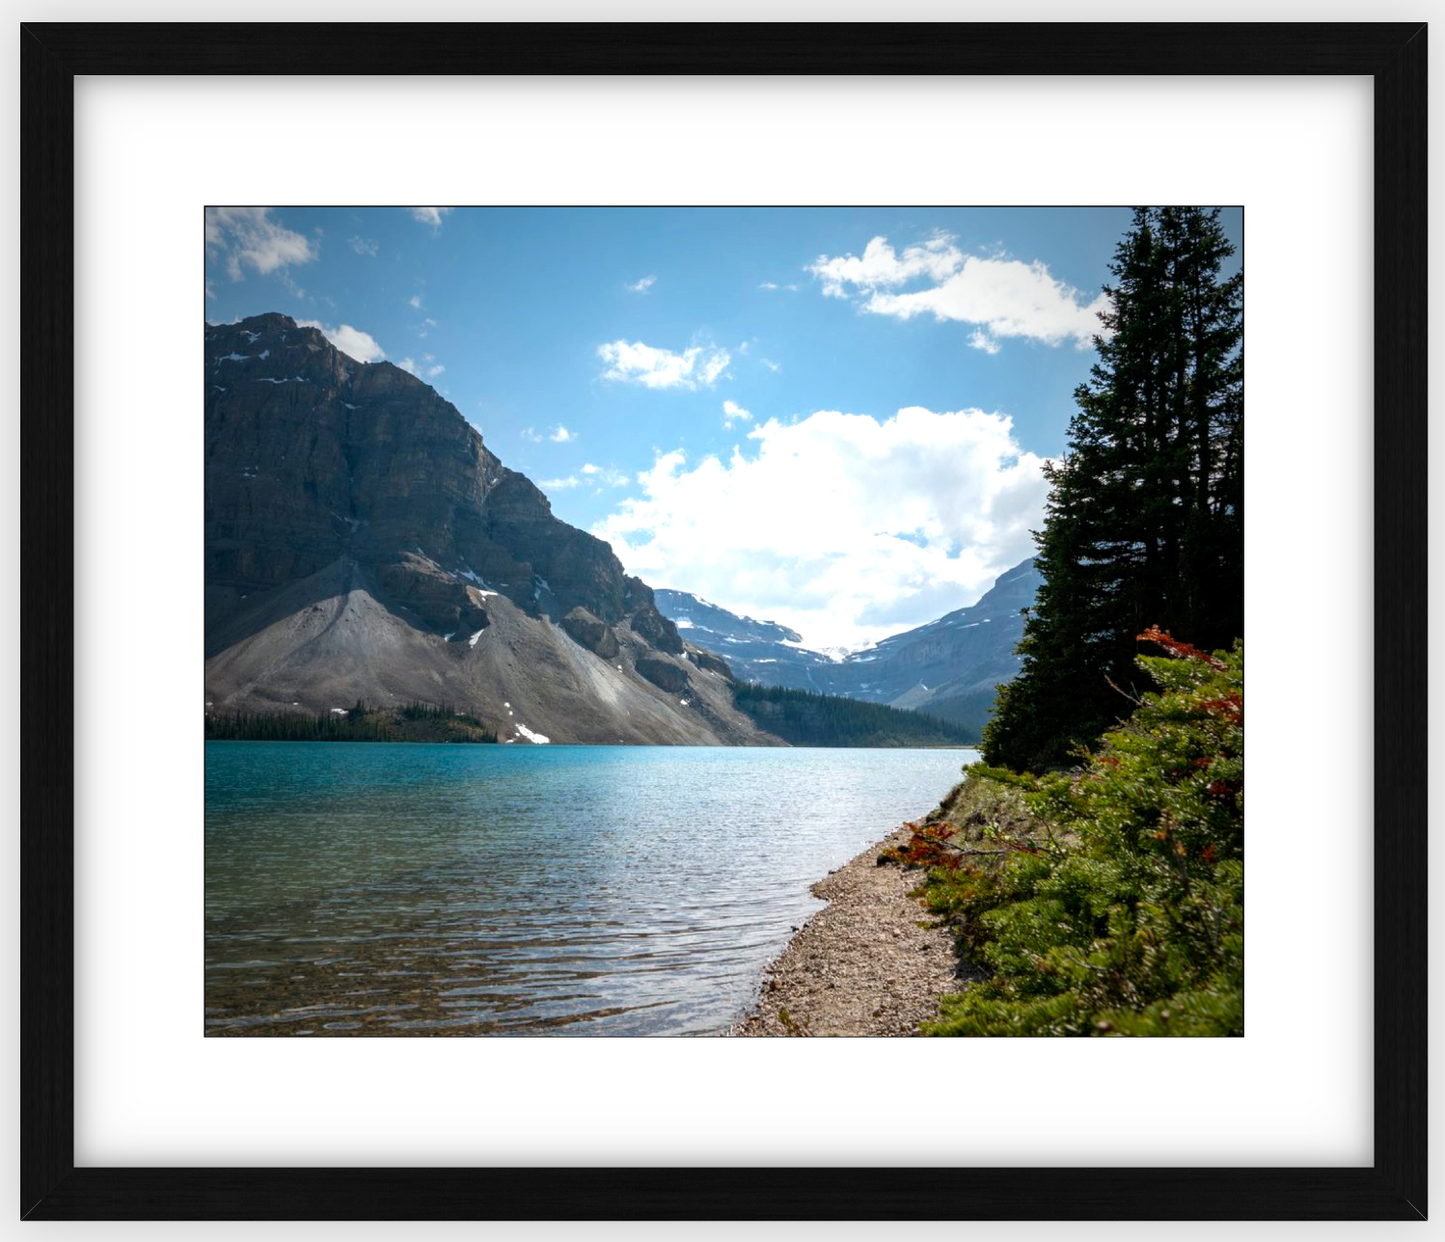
[362, 542]
[947, 668]
[751, 647]
[951, 667]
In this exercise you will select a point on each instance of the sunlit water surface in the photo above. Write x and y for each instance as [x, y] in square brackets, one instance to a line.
[372, 889]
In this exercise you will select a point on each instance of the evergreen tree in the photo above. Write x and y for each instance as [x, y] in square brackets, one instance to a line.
[1144, 523]
[360, 724]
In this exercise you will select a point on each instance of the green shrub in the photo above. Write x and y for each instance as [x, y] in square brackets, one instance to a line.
[1128, 918]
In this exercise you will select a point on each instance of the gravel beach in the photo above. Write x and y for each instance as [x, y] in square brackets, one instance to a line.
[862, 965]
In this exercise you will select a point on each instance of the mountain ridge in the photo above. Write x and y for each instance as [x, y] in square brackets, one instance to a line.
[362, 542]
[949, 667]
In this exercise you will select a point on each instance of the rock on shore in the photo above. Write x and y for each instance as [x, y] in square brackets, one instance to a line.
[862, 965]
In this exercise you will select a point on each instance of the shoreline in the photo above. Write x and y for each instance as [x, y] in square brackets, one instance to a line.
[862, 965]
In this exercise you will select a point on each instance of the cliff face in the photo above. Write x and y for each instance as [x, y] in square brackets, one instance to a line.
[362, 541]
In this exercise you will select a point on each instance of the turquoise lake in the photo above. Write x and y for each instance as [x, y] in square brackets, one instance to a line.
[374, 889]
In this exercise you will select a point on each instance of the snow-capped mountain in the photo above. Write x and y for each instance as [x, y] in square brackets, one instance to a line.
[949, 667]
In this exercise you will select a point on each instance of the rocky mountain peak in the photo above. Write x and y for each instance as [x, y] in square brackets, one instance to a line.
[329, 475]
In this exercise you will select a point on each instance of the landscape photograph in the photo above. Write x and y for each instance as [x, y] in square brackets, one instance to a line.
[784, 622]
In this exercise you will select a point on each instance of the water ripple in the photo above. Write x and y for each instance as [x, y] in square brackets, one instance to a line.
[470, 890]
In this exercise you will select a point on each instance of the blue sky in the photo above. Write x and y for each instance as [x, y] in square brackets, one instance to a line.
[718, 392]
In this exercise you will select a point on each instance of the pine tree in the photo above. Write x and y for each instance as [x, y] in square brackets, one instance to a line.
[1144, 523]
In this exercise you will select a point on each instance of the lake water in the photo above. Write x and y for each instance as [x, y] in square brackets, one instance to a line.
[373, 889]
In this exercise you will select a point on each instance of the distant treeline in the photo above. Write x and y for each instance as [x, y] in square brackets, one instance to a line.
[806, 718]
[413, 722]
[969, 712]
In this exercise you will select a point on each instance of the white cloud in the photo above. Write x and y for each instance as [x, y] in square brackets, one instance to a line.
[802, 530]
[773, 286]
[636, 363]
[242, 237]
[767, 284]
[560, 485]
[528, 434]
[1001, 297]
[289, 283]
[429, 215]
[879, 265]
[350, 341]
[414, 301]
[643, 285]
[364, 245]
[562, 436]
[733, 412]
[713, 366]
[605, 475]
[772, 366]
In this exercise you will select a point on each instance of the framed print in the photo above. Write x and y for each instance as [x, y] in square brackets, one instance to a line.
[579, 576]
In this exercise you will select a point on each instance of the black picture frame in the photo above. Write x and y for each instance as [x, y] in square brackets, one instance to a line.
[53, 1187]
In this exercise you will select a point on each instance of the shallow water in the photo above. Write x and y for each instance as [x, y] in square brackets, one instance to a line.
[373, 889]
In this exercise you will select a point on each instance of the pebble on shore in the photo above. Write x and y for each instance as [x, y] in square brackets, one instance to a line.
[862, 965]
